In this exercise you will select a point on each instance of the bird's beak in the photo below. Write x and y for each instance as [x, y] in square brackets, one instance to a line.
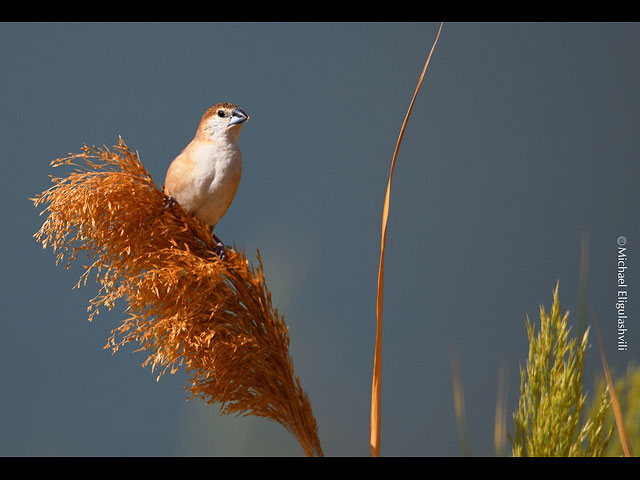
[238, 116]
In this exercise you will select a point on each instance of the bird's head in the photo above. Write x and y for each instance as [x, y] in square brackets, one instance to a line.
[222, 120]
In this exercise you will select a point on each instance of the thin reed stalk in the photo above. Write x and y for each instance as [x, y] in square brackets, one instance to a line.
[615, 403]
[500, 423]
[459, 406]
[374, 439]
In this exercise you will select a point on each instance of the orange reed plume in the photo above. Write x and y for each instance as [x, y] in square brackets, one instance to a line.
[184, 307]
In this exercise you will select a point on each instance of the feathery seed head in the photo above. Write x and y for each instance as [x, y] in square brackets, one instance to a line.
[184, 307]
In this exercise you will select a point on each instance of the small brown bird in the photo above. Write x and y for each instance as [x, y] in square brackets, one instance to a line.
[205, 176]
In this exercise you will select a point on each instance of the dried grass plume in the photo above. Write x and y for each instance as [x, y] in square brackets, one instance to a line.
[185, 308]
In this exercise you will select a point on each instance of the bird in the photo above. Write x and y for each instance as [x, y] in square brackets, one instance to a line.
[204, 177]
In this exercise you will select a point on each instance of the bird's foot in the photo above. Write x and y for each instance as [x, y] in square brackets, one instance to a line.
[219, 250]
[170, 202]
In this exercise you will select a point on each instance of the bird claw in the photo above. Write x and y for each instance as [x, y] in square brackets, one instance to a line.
[220, 251]
[169, 203]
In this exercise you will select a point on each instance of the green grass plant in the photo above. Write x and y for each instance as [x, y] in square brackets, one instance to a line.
[548, 420]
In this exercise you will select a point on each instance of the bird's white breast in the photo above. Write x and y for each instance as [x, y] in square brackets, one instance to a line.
[218, 168]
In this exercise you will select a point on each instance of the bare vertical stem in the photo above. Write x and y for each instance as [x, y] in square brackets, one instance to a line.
[374, 442]
[617, 412]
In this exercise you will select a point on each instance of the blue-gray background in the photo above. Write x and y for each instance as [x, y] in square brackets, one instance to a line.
[522, 137]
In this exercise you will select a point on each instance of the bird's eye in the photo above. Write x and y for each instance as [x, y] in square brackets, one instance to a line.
[221, 113]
